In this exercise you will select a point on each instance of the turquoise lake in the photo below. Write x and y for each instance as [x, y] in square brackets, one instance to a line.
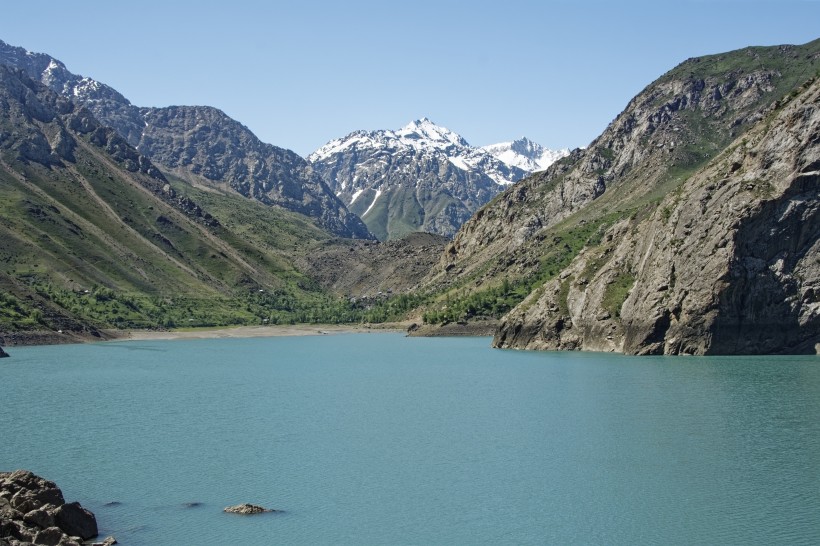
[384, 439]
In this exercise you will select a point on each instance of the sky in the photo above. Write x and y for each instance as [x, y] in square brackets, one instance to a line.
[301, 73]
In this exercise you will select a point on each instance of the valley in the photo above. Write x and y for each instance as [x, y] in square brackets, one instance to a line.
[654, 239]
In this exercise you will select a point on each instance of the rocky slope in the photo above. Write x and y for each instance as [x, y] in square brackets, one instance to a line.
[203, 145]
[728, 264]
[531, 234]
[200, 143]
[370, 269]
[422, 177]
[103, 101]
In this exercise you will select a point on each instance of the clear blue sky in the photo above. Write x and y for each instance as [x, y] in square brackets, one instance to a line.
[300, 73]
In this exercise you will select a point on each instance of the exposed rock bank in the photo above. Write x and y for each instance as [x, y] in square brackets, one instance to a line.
[454, 329]
[33, 511]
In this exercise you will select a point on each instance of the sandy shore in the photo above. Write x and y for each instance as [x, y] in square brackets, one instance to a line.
[253, 331]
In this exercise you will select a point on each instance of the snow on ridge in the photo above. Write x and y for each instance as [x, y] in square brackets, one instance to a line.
[419, 135]
[525, 154]
[460, 163]
[504, 163]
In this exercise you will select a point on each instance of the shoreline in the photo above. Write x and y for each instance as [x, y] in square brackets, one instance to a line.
[252, 331]
[40, 337]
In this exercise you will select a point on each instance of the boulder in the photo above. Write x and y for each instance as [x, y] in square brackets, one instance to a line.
[42, 517]
[3, 354]
[50, 536]
[75, 520]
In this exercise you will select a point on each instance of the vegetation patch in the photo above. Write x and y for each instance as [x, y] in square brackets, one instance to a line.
[616, 293]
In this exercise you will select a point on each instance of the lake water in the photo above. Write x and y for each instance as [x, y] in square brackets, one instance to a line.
[383, 439]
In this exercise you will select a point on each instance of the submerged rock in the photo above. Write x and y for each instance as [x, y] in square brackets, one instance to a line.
[248, 509]
[32, 509]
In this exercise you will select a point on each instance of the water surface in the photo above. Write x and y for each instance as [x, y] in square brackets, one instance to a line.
[383, 439]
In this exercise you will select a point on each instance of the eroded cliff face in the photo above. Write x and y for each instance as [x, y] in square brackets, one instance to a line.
[728, 263]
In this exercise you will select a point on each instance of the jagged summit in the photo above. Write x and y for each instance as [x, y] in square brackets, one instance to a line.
[425, 132]
[516, 158]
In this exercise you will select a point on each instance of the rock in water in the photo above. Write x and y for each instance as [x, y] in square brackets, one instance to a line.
[3, 354]
[33, 510]
[248, 509]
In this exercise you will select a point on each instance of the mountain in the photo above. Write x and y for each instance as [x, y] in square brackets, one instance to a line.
[701, 136]
[94, 236]
[200, 144]
[729, 264]
[206, 147]
[422, 177]
[525, 154]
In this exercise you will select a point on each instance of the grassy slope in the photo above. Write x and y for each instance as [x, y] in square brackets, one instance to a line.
[87, 243]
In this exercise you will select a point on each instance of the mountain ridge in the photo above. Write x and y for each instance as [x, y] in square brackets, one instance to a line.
[285, 180]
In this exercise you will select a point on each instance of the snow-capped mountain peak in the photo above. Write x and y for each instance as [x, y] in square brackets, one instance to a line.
[525, 154]
[425, 133]
[420, 177]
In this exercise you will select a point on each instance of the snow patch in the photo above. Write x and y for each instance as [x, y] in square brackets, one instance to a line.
[356, 195]
[376, 198]
[460, 163]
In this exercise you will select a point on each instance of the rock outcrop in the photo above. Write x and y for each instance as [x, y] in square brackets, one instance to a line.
[33, 511]
[728, 263]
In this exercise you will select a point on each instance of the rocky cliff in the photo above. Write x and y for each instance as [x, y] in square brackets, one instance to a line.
[728, 263]
[550, 234]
